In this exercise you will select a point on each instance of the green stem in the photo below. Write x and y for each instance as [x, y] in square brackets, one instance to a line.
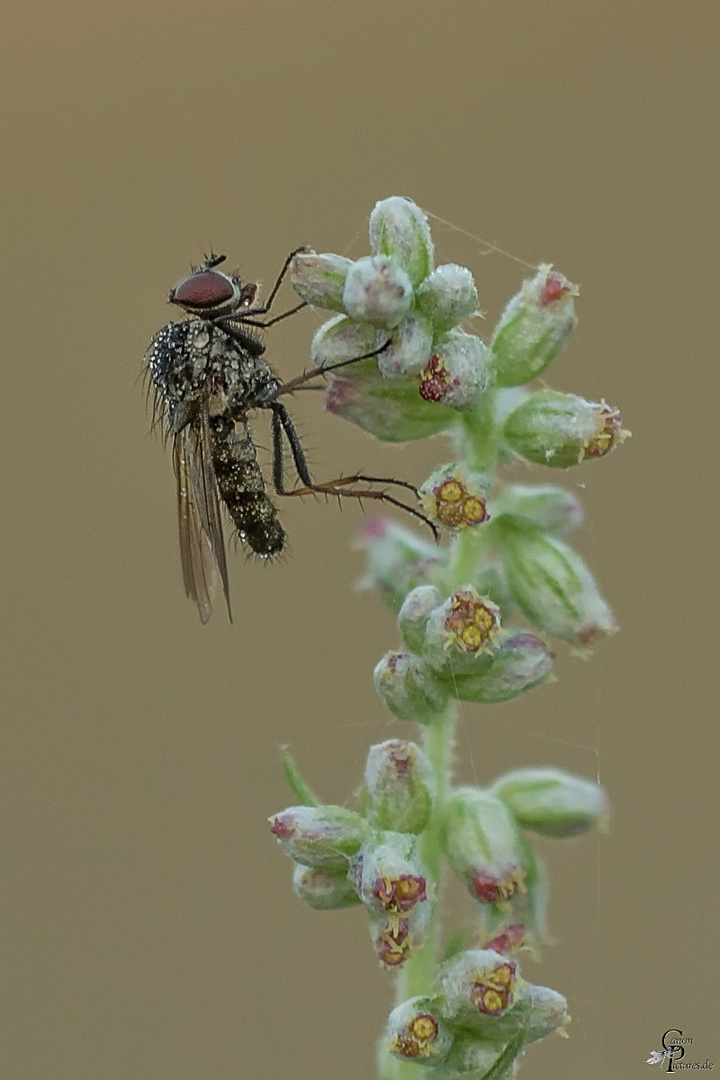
[416, 975]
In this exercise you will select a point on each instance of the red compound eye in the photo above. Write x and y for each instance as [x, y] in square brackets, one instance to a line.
[206, 289]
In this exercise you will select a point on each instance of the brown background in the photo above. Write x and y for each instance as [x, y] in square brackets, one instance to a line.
[150, 931]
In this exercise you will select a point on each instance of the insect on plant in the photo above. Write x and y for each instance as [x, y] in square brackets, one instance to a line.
[209, 373]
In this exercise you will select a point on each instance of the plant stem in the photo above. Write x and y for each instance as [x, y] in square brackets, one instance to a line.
[416, 975]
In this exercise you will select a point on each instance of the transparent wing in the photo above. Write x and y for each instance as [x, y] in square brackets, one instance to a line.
[202, 545]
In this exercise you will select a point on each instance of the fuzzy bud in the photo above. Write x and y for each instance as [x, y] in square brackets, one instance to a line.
[320, 279]
[521, 662]
[560, 430]
[414, 614]
[538, 1011]
[400, 229]
[406, 684]
[448, 296]
[551, 584]
[461, 633]
[388, 875]
[455, 497]
[342, 339]
[378, 291]
[552, 802]
[398, 559]
[415, 1032]
[555, 509]
[323, 890]
[534, 327]
[470, 1059]
[476, 987]
[389, 409]
[483, 846]
[459, 372]
[409, 349]
[321, 836]
[399, 784]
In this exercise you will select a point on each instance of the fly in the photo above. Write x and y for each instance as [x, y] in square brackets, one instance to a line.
[209, 373]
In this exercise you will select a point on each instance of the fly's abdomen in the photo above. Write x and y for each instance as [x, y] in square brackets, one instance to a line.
[242, 487]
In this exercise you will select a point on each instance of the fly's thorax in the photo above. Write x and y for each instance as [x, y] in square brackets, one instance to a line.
[177, 361]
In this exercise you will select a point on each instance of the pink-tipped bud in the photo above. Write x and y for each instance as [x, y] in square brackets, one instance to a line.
[321, 836]
[483, 846]
[560, 430]
[533, 328]
[378, 291]
[407, 686]
[389, 409]
[399, 785]
[459, 372]
[320, 279]
[388, 875]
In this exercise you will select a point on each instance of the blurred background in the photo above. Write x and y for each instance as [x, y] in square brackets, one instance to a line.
[150, 931]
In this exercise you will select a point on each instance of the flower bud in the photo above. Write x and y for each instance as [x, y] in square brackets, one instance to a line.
[388, 875]
[406, 684]
[414, 614]
[415, 1032]
[398, 559]
[397, 938]
[551, 584]
[542, 1011]
[552, 802]
[455, 497]
[400, 229]
[389, 409]
[448, 296]
[462, 632]
[323, 890]
[320, 836]
[561, 430]
[521, 662]
[399, 783]
[459, 372]
[555, 509]
[320, 279]
[476, 987]
[470, 1059]
[409, 349]
[534, 327]
[340, 339]
[377, 290]
[482, 845]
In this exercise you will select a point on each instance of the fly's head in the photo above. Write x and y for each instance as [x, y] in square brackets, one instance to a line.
[210, 294]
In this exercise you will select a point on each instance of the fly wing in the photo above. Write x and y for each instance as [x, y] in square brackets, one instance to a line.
[202, 545]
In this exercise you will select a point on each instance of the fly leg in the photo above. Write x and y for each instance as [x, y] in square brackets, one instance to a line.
[247, 316]
[282, 426]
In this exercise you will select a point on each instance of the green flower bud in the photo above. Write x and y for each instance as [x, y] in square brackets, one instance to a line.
[400, 229]
[340, 339]
[461, 634]
[397, 938]
[537, 1012]
[551, 584]
[415, 1032]
[483, 845]
[409, 349]
[475, 988]
[406, 684]
[448, 296]
[534, 327]
[389, 409]
[320, 836]
[521, 662]
[455, 497]
[320, 279]
[473, 1060]
[388, 876]
[414, 613]
[552, 802]
[561, 430]
[399, 783]
[459, 372]
[398, 559]
[555, 509]
[322, 890]
[377, 290]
